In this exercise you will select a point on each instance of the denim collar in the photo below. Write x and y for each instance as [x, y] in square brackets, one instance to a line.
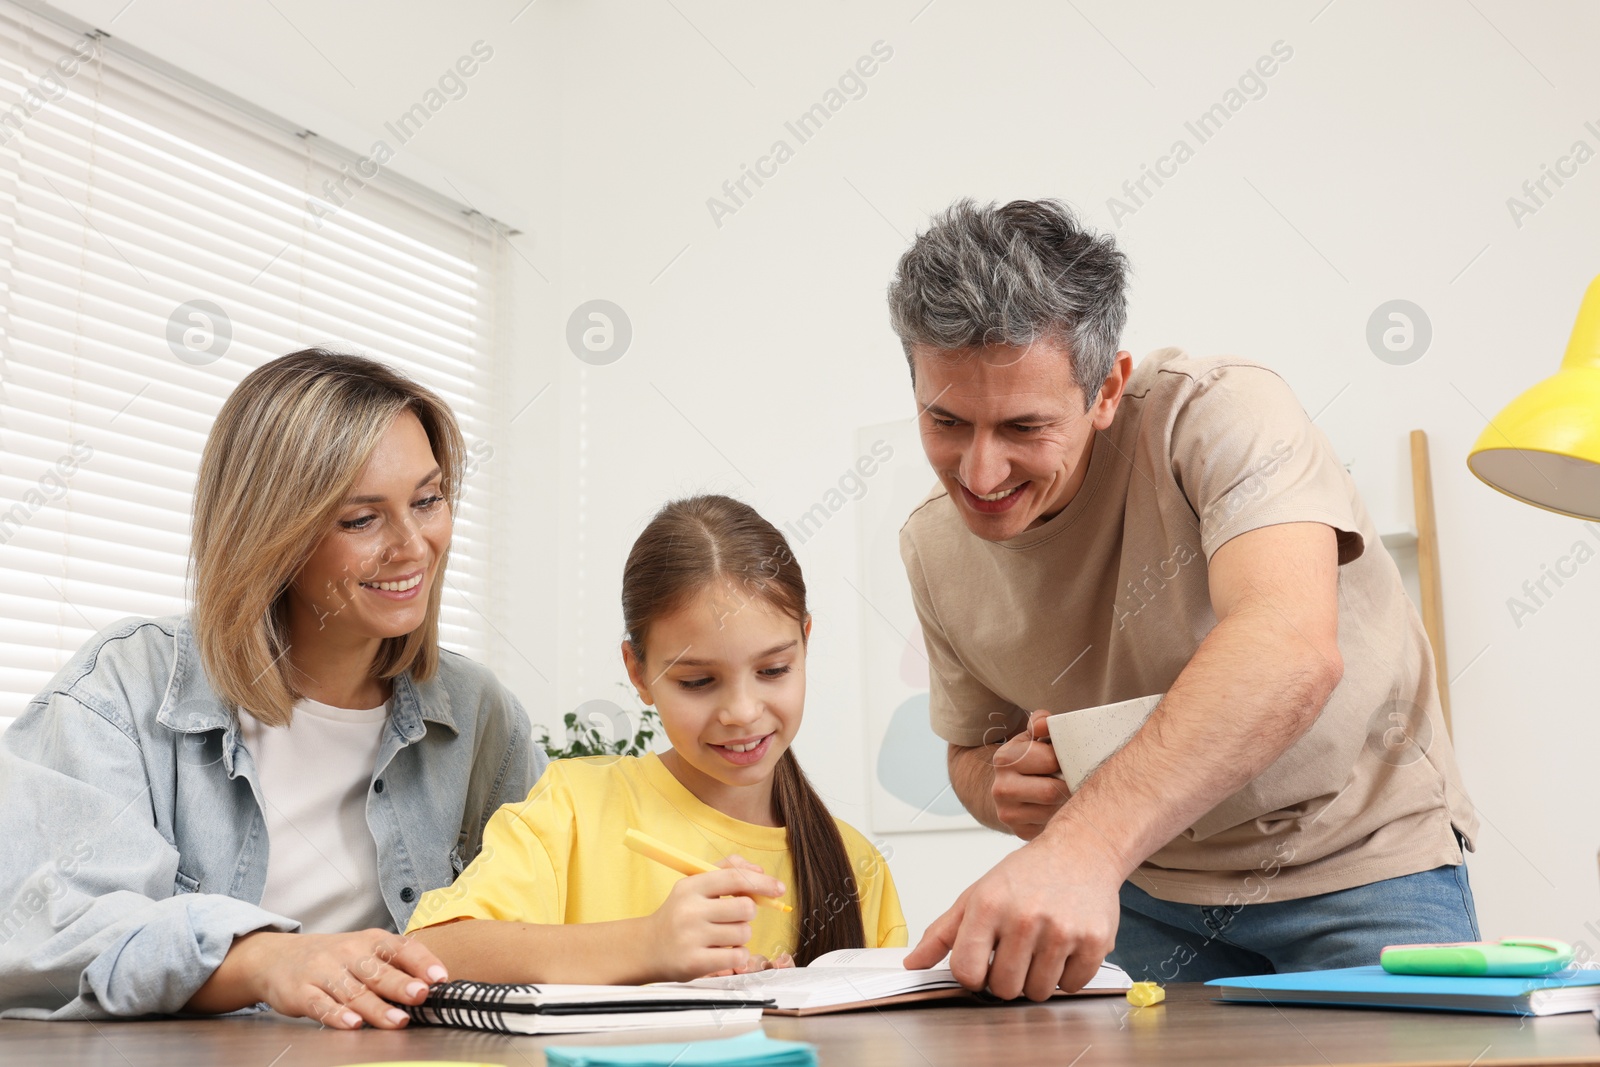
[191, 706]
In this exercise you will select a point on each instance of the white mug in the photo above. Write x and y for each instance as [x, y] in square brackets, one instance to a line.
[1086, 738]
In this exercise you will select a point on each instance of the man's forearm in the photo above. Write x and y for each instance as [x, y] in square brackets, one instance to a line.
[1226, 718]
[972, 777]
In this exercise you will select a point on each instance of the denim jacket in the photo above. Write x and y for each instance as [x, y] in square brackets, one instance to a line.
[133, 849]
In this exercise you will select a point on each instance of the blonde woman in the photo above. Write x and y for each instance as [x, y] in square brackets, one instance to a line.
[198, 811]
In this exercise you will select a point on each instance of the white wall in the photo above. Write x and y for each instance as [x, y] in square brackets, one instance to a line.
[1376, 166]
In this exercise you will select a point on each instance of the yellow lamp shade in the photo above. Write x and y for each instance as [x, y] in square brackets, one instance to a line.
[1544, 448]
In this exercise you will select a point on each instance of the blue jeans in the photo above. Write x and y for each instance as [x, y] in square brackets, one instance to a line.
[1160, 941]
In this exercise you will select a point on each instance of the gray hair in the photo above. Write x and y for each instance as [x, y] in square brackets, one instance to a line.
[1012, 275]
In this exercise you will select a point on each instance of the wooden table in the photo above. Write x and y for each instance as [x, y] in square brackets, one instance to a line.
[1083, 1032]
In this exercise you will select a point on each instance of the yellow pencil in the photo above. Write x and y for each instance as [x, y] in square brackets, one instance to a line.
[682, 862]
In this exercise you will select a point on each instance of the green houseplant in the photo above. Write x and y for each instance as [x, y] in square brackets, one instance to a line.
[602, 728]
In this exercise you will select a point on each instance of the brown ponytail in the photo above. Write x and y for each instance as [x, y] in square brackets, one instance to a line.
[689, 544]
[826, 888]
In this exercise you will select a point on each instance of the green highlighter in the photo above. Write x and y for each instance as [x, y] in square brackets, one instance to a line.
[1517, 957]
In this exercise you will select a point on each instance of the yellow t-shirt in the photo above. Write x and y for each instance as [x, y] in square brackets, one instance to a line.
[558, 856]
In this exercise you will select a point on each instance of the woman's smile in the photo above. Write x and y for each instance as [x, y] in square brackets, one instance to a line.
[405, 587]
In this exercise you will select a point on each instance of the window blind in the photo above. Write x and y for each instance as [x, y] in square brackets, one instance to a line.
[157, 244]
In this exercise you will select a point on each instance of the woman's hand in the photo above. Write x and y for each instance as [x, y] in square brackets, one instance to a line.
[341, 980]
[704, 924]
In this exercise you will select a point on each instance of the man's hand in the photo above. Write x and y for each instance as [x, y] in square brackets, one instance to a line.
[1047, 914]
[1026, 793]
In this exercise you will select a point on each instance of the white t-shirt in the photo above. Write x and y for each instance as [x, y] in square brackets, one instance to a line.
[315, 774]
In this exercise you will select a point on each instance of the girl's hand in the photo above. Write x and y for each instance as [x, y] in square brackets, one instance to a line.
[704, 924]
[759, 963]
[755, 962]
[341, 980]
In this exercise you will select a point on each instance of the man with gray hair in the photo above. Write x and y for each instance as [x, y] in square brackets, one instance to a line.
[1103, 532]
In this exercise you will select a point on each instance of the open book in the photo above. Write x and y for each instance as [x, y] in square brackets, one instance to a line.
[855, 978]
[577, 1009]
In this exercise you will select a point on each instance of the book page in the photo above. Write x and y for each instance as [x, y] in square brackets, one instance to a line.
[765, 981]
[1110, 976]
[894, 958]
[814, 986]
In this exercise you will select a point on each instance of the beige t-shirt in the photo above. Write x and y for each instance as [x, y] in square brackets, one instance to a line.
[1108, 600]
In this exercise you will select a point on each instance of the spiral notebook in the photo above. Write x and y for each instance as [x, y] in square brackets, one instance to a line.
[577, 1009]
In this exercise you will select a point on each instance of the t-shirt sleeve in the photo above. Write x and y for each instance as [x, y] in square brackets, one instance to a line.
[882, 920]
[520, 874]
[1246, 456]
[961, 709]
[891, 920]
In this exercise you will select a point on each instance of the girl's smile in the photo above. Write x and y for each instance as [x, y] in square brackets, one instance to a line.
[744, 753]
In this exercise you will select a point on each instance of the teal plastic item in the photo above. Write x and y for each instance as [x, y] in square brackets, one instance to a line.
[1511, 957]
[755, 1048]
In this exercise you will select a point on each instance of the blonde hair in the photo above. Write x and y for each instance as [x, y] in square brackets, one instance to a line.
[284, 453]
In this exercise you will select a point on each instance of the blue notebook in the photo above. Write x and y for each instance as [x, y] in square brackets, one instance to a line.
[1373, 987]
[753, 1049]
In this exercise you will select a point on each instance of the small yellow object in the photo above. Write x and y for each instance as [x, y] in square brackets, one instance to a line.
[1144, 994]
[682, 862]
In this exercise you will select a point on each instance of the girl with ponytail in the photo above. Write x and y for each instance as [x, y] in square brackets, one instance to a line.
[717, 629]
